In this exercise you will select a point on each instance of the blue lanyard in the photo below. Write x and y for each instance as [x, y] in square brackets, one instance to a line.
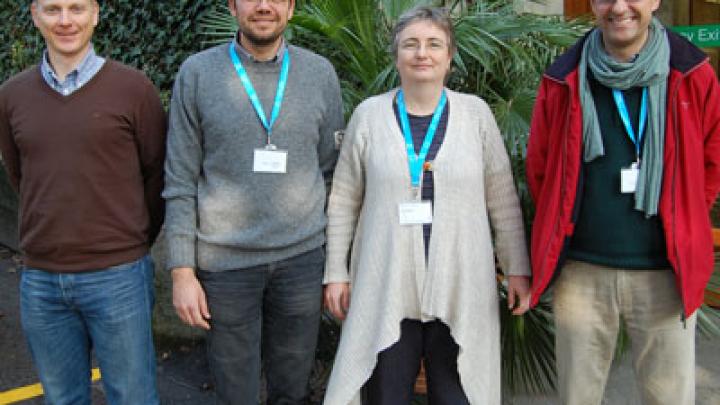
[625, 117]
[416, 161]
[252, 94]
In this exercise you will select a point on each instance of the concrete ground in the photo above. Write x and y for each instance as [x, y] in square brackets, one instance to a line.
[183, 376]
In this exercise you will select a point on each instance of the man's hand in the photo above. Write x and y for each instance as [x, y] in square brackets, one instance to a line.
[189, 298]
[518, 287]
[337, 299]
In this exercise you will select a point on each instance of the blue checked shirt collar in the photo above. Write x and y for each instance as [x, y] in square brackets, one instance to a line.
[86, 70]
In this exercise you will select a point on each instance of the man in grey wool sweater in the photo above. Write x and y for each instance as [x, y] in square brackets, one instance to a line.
[251, 151]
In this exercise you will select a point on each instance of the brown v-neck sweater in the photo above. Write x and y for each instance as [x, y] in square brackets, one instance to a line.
[88, 167]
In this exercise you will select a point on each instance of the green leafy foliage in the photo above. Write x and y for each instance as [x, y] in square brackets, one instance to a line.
[152, 35]
[528, 347]
[19, 38]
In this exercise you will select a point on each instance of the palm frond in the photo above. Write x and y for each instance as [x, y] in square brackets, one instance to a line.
[528, 348]
[708, 318]
[708, 322]
[218, 26]
[393, 9]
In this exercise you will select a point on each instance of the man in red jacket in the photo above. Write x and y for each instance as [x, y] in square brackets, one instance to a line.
[624, 164]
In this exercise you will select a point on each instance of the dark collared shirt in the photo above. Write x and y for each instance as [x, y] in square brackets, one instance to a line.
[278, 58]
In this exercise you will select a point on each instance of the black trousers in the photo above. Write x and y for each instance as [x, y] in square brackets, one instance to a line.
[393, 380]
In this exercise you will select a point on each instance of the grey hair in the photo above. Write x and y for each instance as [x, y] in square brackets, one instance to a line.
[439, 16]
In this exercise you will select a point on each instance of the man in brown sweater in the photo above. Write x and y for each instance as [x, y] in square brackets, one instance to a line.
[83, 142]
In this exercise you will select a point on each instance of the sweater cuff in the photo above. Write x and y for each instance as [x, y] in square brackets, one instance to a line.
[519, 267]
[181, 252]
[336, 273]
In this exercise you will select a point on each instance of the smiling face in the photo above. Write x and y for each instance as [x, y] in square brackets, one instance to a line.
[423, 53]
[262, 22]
[624, 24]
[66, 25]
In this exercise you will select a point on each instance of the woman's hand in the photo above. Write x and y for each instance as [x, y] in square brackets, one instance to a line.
[337, 299]
[518, 288]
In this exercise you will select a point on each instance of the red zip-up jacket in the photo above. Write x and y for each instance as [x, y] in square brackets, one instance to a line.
[691, 172]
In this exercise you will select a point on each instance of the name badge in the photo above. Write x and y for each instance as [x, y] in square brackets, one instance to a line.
[628, 179]
[415, 213]
[270, 161]
[338, 135]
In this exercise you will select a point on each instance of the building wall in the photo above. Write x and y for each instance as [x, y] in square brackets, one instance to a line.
[545, 7]
[665, 12]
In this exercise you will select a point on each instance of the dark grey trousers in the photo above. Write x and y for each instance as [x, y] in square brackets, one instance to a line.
[264, 317]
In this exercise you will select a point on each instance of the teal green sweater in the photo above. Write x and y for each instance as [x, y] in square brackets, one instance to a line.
[609, 231]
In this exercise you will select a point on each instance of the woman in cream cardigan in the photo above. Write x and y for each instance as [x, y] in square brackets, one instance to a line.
[422, 184]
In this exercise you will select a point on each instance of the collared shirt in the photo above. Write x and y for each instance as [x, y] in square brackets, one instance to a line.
[86, 70]
[278, 58]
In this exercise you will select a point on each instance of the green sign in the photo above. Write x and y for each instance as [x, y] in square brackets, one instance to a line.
[704, 36]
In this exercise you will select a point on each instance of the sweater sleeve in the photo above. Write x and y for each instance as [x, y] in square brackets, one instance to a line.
[150, 131]
[8, 148]
[345, 203]
[333, 122]
[502, 200]
[182, 172]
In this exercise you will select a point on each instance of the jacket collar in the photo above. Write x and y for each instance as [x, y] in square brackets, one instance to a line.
[684, 57]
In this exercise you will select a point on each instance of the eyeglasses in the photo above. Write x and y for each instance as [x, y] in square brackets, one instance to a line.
[273, 2]
[608, 2]
[430, 46]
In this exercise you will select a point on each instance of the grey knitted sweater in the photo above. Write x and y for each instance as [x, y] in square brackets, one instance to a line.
[220, 214]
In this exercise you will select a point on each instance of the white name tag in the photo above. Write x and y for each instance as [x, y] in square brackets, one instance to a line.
[270, 161]
[338, 135]
[628, 179]
[415, 213]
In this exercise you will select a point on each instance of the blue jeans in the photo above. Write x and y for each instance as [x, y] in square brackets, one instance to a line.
[66, 315]
[271, 312]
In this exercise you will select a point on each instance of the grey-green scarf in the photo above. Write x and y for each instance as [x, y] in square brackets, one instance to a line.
[650, 69]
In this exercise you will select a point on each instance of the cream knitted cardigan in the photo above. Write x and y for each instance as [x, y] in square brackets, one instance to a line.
[388, 274]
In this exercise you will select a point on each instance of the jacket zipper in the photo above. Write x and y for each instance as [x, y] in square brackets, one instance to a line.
[673, 101]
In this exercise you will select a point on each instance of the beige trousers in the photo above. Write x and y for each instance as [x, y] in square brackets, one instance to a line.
[589, 303]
